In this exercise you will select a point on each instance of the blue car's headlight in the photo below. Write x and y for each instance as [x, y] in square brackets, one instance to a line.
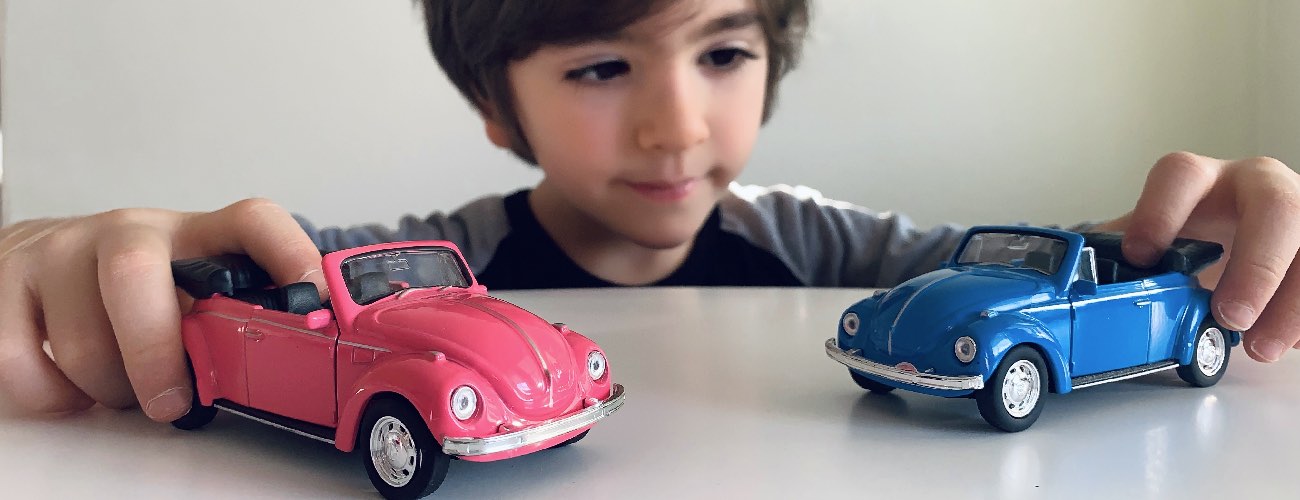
[850, 323]
[964, 348]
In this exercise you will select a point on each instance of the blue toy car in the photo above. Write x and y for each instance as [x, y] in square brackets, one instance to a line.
[1019, 311]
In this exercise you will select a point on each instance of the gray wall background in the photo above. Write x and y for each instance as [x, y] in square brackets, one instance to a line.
[949, 110]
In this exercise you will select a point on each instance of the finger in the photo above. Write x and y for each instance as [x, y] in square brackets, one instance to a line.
[264, 231]
[1277, 327]
[1175, 185]
[1265, 243]
[81, 338]
[139, 295]
[29, 380]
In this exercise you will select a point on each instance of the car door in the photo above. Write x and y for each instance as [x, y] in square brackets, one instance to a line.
[1111, 328]
[291, 367]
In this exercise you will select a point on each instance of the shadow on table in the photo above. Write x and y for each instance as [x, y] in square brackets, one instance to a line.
[302, 466]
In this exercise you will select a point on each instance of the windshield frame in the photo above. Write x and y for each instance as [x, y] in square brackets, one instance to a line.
[350, 282]
[1057, 246]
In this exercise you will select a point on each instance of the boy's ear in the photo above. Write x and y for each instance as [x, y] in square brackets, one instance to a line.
[496, 132]
[492, 126]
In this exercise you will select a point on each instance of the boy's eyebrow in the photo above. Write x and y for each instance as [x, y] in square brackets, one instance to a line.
[730, 22]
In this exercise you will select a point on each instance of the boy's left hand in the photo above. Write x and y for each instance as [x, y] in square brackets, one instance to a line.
[1252, 207]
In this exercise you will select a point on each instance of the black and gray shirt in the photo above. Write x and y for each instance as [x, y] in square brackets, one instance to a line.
[778, 236]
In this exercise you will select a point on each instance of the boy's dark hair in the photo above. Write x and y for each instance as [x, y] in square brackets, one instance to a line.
[474, 40]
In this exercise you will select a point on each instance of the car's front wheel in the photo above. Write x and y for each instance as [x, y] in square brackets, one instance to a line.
[1209, 357]
[401, 456]
[867, 383]
[572, 440]
[1012, 398]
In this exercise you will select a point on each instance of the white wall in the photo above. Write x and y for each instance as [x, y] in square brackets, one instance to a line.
[1279, 104]
[3, 9]
[946, 109]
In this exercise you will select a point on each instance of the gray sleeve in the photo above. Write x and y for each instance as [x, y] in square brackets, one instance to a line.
[832, 243]
[477, 228]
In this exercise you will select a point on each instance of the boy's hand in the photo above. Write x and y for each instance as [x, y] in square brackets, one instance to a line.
[100, 290]
[1250, 206]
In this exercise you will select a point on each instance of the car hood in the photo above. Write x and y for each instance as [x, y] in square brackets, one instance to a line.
[527, 360]
[917, 316]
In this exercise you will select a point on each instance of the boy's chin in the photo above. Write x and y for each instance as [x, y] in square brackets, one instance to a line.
[661, 243]
[661, 238]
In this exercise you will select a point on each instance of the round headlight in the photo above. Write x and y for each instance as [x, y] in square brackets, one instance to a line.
[850, 323]
[464, 402]
[595, 365]
[964, 348]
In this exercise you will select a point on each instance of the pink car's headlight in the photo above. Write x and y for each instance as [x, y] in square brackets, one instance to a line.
[595, 365]
[464, 402]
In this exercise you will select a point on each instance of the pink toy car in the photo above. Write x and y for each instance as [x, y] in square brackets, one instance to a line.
[412, 363]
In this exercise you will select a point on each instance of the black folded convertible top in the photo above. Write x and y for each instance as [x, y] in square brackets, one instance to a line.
[1184, 255]
[223, 274]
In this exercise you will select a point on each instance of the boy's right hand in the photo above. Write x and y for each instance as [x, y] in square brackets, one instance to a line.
[100, 290]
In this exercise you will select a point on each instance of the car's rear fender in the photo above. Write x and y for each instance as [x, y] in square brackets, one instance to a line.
[1196, 312]
[426, 381]
[200, 358]
[1006, 331]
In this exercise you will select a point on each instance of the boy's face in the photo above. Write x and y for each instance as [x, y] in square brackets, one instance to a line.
[640, 134]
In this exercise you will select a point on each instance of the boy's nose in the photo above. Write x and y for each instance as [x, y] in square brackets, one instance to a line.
[674, 115]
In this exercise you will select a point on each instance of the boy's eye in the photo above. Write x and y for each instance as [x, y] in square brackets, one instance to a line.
[599, 72]
[726, 58]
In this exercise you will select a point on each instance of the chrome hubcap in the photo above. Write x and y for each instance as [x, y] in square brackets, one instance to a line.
[392, 451]
[1210, 351]
[1020, 388]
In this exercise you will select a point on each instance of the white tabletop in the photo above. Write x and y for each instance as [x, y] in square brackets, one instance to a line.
[730, 394]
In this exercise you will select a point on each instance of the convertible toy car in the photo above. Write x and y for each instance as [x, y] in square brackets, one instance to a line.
[411, 363]
[1019, 311]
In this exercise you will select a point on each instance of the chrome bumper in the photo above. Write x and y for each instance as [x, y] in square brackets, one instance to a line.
[927, 380]
[464, 446]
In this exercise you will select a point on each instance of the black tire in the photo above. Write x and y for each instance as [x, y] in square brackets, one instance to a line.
[1212, 345]
[868, 384]
[421, 472]
[572, 440]
[1005, 413]
[199, 415]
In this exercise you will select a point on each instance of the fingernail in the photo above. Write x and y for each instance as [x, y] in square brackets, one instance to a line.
[1236, 315]
[307, 275]
[1268, 349]
[1143, 254]
[170, 405]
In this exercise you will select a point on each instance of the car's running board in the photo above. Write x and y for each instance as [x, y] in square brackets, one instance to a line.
[308, 429]
[1121, 374]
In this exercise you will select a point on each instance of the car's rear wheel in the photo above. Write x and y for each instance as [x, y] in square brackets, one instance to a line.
[1209, 356]
[199, 415]
[1012, 398]
[867, 383]
[401, 456]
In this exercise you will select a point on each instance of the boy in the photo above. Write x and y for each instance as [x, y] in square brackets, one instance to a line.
[640, 114]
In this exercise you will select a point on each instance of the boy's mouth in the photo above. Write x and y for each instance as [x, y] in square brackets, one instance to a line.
[664, 191]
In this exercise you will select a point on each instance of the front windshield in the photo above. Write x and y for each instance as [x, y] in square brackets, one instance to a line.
[375, 275]
[1040, 253]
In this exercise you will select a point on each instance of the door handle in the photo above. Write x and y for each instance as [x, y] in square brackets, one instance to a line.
[1142, 302]
[253, 333]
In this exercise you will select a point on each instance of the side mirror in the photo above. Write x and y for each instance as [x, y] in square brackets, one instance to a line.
[319, 318]
[1085, 288]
